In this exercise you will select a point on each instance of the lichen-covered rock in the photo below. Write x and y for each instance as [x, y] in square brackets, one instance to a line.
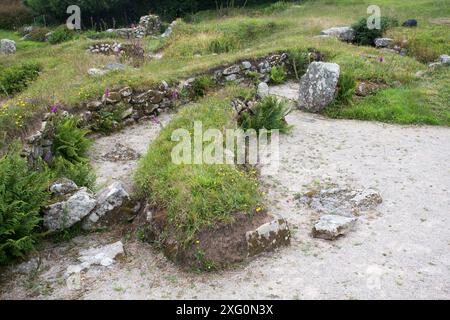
[151, 25]
[64, 214]
[263, 90]
[444, 59]
[329, 227]
[342, 33]
[383, 42]
[108, 200]
[232, 70]
[7, 46]
[112, 97]
[318, 86]
[267, 237]
[62, 187]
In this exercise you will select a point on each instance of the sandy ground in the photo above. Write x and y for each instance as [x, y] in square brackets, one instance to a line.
[401, 252]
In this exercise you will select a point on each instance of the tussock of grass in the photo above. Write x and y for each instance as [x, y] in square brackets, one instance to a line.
[196, 196]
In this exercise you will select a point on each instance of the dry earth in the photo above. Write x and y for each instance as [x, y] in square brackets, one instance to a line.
[401, 251]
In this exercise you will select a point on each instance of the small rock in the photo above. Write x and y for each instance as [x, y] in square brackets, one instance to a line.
[231, 77]
[267, 237]
[383, 42]
[7, 46]
[63, 187]
[65, 214]
[97, 72]
[329, 227]
[263, 90]
[115, 66]
[108, 200]
[126, 92]
[113, 97]
[94, 105]
[231, 70]
[342, 33]
[246, 65]
[410, 23]
[419, 74]
[445, 59]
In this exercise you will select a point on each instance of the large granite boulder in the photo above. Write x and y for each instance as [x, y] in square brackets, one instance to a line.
[318, 86]
[7, 46]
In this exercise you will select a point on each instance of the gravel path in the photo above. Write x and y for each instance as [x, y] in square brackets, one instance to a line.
[401, 251]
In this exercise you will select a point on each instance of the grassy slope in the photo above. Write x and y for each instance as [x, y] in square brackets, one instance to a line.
[197, 196]
[254, 32]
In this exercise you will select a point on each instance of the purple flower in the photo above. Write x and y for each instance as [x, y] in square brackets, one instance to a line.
[174, 94]
[54, 108]
[155, 120]
[107, 92]
[381, 59]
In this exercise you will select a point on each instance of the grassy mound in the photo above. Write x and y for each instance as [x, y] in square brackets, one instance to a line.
[196, 196]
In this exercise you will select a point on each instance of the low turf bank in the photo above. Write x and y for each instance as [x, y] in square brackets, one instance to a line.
[195, 197]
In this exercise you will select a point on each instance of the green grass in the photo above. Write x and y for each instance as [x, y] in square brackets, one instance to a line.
[196, 196]
[224, 37]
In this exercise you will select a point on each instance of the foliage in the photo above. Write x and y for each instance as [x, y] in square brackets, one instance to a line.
[94, 35]
[278, 75]
[300, 60]
[269, 114]
[13, 14]
[22, 195]
[200, 86]
[80, 172]
[346, 89]
[70, 141]
[38, 34]
[61, 34]
[108, 121]
[16, 78]
[223, 44]
[366, 36]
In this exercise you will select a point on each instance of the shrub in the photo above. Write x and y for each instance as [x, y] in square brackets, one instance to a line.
[200, 86]
[81, 173]
[346, 89]
[38, 34]
[22, 195]
[278, 75]
[108, 121]
[269, 114]
[300, 61]
[14, 15]
[276, 7]
[365, 36]
[16, 78]
[70, 141]
[61, 34]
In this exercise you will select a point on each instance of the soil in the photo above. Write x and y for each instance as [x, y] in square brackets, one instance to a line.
[400, 251]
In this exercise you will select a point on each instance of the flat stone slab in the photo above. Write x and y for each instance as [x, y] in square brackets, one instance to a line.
[329, 227]
[267, 237]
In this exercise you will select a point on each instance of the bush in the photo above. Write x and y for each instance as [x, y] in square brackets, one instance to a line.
[300, 62]
[278, 75]
[200, 86]
[14, 15]
[365, 36]
[61, 34]
[38, 34]
[346, 89]
[81, 173]
[269, 114]
[15, 79]
[22, 195]
[70, 141]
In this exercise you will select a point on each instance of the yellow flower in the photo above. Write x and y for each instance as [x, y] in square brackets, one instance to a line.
[258, 210]
[197, 242]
